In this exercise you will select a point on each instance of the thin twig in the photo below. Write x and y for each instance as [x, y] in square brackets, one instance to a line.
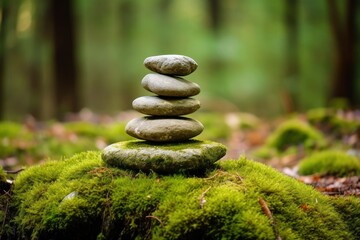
[216, 174]
[15, 171]
[239, 177]
[156, 218]
[268, 213]
[202, 197]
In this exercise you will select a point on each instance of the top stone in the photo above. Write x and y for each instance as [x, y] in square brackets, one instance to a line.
[171, 64]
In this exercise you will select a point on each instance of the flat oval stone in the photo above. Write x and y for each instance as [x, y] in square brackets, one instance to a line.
[159, 129]
[165, 106]
[192, 156]
[169, 86]
[171, 64]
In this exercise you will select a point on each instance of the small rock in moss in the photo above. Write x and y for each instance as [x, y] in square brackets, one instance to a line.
[190, 156]
[330, 162]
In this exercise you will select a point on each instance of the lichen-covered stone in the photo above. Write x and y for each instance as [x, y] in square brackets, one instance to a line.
[171, 64]
[165, 106]
[190, 156]
[160, 129]
[169, 86]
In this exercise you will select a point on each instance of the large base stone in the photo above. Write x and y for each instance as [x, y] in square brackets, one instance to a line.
[191, 156]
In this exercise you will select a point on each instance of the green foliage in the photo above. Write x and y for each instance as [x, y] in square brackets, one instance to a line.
[81, 198]
[330, 162]
[295, 133]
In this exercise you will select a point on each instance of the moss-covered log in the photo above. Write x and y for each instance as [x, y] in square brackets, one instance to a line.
[82, 198]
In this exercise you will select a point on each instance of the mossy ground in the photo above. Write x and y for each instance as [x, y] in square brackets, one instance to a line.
[295, 132]
[330, 162]
[54, 140]
[289, 136]
[334, 122]
[82, 198]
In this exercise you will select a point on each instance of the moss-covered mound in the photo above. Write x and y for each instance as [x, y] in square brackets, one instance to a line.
[293, 133]
[81, 198]
[9, 134]
[334, 121]
[288, 137]
[330, 162]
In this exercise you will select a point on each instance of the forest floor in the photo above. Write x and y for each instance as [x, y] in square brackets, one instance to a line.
[32, 142]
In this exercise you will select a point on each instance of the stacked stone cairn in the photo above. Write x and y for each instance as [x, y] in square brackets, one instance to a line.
[173, 100]
[165, 144]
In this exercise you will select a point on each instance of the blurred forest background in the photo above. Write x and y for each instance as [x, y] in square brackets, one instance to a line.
[267, 57]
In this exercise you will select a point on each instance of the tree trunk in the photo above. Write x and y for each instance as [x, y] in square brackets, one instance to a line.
[291, 68]
[344, 33]
[3, 28]
[35, 64]
[215, 15]
[66, 81]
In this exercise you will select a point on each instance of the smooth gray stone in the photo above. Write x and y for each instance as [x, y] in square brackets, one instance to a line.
[159, 129]
[165, 106]
[169, 86]
[171, 64]
[191, 156]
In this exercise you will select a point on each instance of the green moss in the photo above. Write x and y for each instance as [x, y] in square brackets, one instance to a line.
[332, 122]
[57, 147]
[330, 162]
[10, 129]
[84, 128]
[80, 198]
[349, 207]
[4, 203]
[264, 152]
[294, 133]
[2, 175]
[13, 137]
[109, 132]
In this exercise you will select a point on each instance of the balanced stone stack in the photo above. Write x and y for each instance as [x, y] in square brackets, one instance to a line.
[165, 144]
[173, 100]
